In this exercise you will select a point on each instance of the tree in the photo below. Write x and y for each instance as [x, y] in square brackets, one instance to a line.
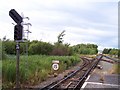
[85, 49]
[9, 46]
[113, 51]
[40, 47]
[60, 37]
[106, 51]
[118, 53]
[61, 49]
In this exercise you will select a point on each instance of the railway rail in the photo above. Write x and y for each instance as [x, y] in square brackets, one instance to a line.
[75, 79]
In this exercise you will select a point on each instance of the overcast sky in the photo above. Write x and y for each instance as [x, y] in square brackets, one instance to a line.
[94, 21]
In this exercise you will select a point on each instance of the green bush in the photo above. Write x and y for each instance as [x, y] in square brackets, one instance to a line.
[85, 49]
[2, 51]
[40, 48]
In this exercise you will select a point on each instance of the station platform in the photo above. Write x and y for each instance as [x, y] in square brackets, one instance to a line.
[100, 82]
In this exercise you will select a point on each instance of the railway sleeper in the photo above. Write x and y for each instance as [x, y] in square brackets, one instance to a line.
[84, 70]
[75, 80]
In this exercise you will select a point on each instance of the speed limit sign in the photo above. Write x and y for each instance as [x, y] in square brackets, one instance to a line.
[55, 66]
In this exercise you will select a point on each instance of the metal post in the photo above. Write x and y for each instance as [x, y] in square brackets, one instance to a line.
[27, 49]
[26, 55]
[17, 64]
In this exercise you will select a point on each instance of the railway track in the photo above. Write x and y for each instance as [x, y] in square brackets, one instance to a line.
[75, 79]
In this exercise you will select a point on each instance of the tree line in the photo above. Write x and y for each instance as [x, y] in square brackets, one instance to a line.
[46, 48]
[111, 51]
[58, 48]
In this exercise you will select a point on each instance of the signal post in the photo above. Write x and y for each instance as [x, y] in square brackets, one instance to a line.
[18, 37]
[18, 33]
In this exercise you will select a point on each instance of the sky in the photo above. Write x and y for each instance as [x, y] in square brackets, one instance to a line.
[84, 21]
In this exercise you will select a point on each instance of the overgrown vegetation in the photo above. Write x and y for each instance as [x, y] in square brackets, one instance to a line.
[44, 48]
[40, 47]
[85, 49]
[112, 51]
[2, 51]
[38, 68]
[116, 69]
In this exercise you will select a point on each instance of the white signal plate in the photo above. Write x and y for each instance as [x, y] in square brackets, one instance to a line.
[55, 66]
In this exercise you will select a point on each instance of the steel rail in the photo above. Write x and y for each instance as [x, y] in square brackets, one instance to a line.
[81, 79]
[55, 84]
[69, 76]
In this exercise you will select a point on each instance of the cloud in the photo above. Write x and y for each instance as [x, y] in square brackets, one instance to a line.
[84, 22]
[81, 35]
[6, 30]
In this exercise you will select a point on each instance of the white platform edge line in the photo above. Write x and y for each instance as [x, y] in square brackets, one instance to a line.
[102, 84]
[83, 86]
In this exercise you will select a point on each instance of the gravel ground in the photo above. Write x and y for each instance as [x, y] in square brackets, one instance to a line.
[112, 79]
[103, 79]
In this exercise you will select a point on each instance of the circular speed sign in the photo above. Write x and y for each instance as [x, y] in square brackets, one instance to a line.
[55, 66]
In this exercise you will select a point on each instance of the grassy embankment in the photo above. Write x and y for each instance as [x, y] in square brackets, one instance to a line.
[116, 69]
[35, 69]
[0, 75]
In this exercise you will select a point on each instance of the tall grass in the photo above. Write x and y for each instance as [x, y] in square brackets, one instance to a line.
[37, 69]
[117, 68]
